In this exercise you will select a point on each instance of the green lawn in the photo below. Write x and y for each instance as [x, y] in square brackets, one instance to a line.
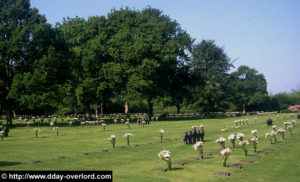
[136, 163]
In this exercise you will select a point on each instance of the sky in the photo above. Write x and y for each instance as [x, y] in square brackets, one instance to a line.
[261, 34]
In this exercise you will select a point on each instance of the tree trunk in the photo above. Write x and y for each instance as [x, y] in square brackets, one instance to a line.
[96, 111]
[9, 115]
[150, 108]
[14, 113]
[126, 108]
[178, 108]
[101, 109]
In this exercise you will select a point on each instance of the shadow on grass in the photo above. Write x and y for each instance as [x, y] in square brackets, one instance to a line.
[4, 163]
[176, 168]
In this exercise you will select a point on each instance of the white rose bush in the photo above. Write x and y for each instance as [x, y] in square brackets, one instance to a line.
[199, 146]
[127, 137]
[161, 133]
[244, 145]
[165, 155]
[232, 138]
[112, 140]
[225, 155]
[221, 141]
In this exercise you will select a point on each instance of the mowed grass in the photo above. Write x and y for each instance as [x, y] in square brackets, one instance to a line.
[137, 163]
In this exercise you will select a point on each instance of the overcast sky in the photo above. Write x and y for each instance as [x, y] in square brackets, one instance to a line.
[262, 34]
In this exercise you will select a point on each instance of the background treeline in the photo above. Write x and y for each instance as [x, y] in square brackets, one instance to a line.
[127, 61]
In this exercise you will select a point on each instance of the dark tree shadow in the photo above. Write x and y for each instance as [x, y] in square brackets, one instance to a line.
[5, 163]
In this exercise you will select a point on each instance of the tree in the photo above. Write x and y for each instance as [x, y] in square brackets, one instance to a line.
[209, 69]
[249, 89]
[86, 41]
[22, 41]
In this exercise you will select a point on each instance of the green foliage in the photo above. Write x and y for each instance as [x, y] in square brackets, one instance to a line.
[129, 57]
[287, 99]
[249, 90]
[209, 67]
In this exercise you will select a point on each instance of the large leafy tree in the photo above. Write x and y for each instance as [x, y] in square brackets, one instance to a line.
[145, 47]
[22, 41]
[209, 68]
[249, 89]
[86, 40]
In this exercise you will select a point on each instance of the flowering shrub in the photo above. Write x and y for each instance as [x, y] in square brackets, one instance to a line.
[165, 155]
[127, 123]
[254, 133]
[254, 141]
[286, 124]
[281, 131]
[161, 133]
[240, 136]
[232, 138]
[36, 131]
[127, 137]
[243, 145]
[199, 146]
[112, 140]
[103, 126]
[294, 123]
[295, 108]
[221, 141]
[225, 154]
[55, 129]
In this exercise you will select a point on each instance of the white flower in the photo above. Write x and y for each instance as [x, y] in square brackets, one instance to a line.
[267, 135]
[194, 127]
[126, 135]
[225, 152]
[240, 136]
[198, 145]
[1, 133]
[289, 127]
[281, 130]
[254, 139]
[287, 123]
[221, 140]
[36, 130]
[237, 127]
[273, 133]
[161, 131]
[201, 126]
[253, 131]
[103, 124]
[115, 120]
[244, 143]
[236, 121]
[231, 137]
[164, 155]
[274, 126]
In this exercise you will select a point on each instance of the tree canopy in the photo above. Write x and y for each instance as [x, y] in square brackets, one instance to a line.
[128, 56]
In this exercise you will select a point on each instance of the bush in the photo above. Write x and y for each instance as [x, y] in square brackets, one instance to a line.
[164, 115]
[269, 121]
[298, 116]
